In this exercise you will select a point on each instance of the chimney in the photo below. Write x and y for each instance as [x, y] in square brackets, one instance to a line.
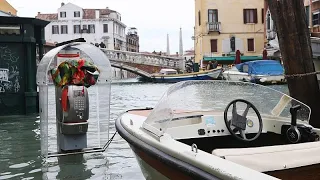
[62, 4]
[97, 13]
[39, 13]
[107, 7]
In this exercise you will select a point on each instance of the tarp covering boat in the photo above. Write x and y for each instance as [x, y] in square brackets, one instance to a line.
[261, 67]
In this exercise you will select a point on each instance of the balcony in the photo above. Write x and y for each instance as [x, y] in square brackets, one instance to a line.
[214, 26]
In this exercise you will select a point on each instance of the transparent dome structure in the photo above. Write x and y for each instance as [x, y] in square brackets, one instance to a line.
[198, 97]
[53, 121]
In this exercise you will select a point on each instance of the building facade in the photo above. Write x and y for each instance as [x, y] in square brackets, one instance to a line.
[224, 26]
[97, 26]
[7, 8]
[132, 40]
[312, 10]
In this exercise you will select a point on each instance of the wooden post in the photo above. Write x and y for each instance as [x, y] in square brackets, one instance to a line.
[290, 20]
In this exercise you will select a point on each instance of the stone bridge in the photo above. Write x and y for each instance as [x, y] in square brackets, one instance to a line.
[142, 64]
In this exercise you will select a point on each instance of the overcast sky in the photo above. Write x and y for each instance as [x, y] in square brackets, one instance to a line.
[153, 18]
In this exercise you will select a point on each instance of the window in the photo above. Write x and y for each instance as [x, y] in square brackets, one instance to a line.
[91, 28]
[105, 28]
[76, 14]
[250, 44]
[212, 15]
[262, 15]
[315, 18]
[63, 14]
[199, 18]
[55, 29]
[307, 15]
[250, 16]
[64, 29]
[76, 29]
[214, 45]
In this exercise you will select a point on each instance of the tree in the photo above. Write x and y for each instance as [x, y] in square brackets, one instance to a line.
[289, 17]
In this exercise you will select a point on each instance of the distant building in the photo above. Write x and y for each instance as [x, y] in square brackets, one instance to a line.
[6, 8]
[188, 54]
[97, 26]
[132, 40]
[222, 28]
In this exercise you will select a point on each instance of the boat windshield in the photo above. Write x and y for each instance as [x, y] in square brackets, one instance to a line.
[214, 96]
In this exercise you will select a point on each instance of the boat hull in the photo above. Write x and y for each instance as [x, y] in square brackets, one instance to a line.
[259, 79]
[156, 164]
[207, 75]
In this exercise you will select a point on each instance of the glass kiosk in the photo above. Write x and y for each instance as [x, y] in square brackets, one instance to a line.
[74, 100]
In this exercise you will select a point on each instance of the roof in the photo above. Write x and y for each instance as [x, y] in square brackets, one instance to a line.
[87, 14]
[10, 5]
[47, 17]
[22, 20]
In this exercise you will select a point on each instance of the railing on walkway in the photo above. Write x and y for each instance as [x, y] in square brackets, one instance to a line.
[146, 59]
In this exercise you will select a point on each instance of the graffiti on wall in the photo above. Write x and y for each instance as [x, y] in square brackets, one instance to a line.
[9, 70]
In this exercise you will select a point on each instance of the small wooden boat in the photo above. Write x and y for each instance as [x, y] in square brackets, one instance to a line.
[172, 76]
[223, 130]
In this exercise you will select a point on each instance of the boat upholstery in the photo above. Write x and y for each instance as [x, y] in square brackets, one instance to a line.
[271, 158]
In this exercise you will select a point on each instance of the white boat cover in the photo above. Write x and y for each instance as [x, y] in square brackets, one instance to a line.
[271, 158]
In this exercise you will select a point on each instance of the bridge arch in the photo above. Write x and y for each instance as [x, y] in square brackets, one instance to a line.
[131, 69]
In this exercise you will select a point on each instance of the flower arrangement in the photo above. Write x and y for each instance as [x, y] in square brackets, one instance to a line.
[75, 72]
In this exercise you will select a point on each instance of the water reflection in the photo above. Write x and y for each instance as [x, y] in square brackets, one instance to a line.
[20, 142]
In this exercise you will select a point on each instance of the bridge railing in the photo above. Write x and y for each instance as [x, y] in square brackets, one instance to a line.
[142, 58]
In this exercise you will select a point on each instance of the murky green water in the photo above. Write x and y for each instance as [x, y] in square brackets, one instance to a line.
[20, 143]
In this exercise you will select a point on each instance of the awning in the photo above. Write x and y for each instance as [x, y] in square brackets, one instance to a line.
[230, 59]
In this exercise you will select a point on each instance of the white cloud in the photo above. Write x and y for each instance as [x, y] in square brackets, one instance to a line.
[153, 18]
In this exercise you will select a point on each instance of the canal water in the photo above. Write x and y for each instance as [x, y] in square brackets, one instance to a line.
[20, 142]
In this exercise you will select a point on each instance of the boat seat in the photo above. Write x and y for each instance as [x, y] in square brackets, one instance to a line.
[271, 158]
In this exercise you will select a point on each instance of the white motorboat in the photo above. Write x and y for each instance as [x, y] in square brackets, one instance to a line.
[259, 71]
[223, 130]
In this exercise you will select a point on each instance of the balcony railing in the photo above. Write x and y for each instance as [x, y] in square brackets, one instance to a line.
[214, 26]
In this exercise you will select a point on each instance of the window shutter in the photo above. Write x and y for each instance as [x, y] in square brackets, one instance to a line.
[214, 47]
[244, 17]
[52, 29]
[199, 18]
[250, 44]
[217, 15]
[262, 16]
[255, 18]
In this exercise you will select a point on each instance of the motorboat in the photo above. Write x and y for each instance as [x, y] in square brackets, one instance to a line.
[172, 76]
[223, 130]
[258, 71]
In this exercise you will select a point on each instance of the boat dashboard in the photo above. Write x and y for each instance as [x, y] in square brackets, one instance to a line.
[197, 125]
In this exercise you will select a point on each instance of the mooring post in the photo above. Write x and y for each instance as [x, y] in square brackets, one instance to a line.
[295, 46]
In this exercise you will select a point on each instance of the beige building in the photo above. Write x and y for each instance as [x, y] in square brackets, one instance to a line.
[224, 26]
[7, 8]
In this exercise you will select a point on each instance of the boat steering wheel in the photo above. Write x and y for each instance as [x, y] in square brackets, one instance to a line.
[240, 122]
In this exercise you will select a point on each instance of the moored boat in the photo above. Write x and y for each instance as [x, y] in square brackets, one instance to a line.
[259, 71]
[195, 132]
[172, 76]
